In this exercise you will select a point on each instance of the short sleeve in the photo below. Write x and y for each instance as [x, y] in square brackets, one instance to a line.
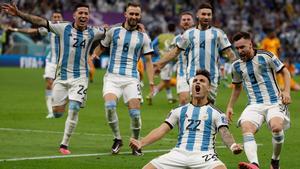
[224, 42]
[275, 63]
[108, 37]
[236, 73]
[57, 28]
[99, 33]
[147, 47]
[183, 42]
[221, 120]
[43, 31]
[172, 118]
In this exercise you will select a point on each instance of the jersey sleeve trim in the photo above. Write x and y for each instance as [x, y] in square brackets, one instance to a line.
[48, 27]
[169, 124]
[281, 69]
[225, 48]
[223, 126]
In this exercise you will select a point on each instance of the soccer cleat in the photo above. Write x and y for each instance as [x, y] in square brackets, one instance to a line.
[137, 152]
[64, 150]
[274, 164]
[116, 147]
[50, 116]
[244, 165]
[149, 100]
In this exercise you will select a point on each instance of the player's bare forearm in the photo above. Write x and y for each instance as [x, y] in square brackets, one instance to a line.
[98, 51]
[169, 56]
[226, 136]
[236, 91]
[287, 79]
[149, 67]
[155, 135]
[32, 19]
[27, 31]
[230, 54]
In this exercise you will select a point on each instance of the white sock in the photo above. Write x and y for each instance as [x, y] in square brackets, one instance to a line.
[49, 101]
[71, 122]
[136, 122]
[169, 94]
[155, 91]
[277, 141]
[250, 147]
[112, 118]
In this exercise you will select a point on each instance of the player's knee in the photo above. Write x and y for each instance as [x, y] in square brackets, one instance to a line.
[276, 128]
[278, 137]
[74, 106]
[134, 113]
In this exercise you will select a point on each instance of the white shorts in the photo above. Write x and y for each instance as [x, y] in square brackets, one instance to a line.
[213, 89]
[50, 70]
[182, 85]
[120, 85]
[258, 113]
[71, 89]
[178, 159]
[166, 72]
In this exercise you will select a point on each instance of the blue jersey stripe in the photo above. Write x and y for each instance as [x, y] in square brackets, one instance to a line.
[251, 75]
[202, 50]
[90, 40]
[77, 58]
[267, 79]
[181, 124]
[213, 56]
[192, 43]
[66, 52]
[194, 121]
[115, 39]
[125, 51]
[137, 49]
[207, 130]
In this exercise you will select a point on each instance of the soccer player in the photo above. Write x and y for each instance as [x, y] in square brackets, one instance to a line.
[71, 79]
[198, 123]
[256, 70]
[51, 56]
[126, 45]
[204, 43]
[183, 90]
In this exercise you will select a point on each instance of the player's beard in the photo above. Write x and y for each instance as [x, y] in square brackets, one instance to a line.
[133, 22]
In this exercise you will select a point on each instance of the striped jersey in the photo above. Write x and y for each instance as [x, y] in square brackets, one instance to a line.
[52, 50]
[126, 47]
[182, 59]
[74, 49]
[258, 77]
[204, 47]
[197, 126]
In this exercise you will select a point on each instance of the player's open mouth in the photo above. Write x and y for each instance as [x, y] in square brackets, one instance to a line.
[197, 88]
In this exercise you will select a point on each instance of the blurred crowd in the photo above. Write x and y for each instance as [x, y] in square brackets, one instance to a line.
[256, 16]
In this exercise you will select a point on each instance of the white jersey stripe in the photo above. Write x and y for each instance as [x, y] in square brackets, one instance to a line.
[66, 52]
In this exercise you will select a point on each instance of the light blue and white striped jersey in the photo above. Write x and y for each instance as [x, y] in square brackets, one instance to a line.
[258, 77]
[204, 50]
[126, 47]
[74, 49]
[52, 50]
[198, 126]
[182, 59]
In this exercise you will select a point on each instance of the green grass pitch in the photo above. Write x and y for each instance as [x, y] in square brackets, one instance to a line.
[25, 132]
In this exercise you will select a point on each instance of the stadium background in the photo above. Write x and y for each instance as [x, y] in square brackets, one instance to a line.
[25, 133]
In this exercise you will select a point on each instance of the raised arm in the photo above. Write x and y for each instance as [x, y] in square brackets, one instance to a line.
[14, 11]
[234, 96]
[31, 31]
[229, 140]
[167, 57]
[152, 137]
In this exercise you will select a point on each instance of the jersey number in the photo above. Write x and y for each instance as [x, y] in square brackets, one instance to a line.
[193, 125]
[125, 47]
[81, 91]
[78, 44]
[202, 45]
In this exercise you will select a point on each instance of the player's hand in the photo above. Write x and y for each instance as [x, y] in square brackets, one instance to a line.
[135, 144]
[229, 114]
[94, 56]
[141, 27]
[10, 9]
[285, 97]
[236, 148]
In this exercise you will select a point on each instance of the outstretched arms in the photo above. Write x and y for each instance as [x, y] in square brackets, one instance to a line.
[12, 9]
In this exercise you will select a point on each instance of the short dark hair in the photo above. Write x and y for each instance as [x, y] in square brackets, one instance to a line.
[57, 11]
[205, 5]
[241, 35]
[80, 5]
[203, 72]
[186, 13]
[134, 4]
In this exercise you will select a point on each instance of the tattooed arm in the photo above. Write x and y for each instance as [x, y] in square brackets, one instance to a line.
[229, 140]
[14, 11]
